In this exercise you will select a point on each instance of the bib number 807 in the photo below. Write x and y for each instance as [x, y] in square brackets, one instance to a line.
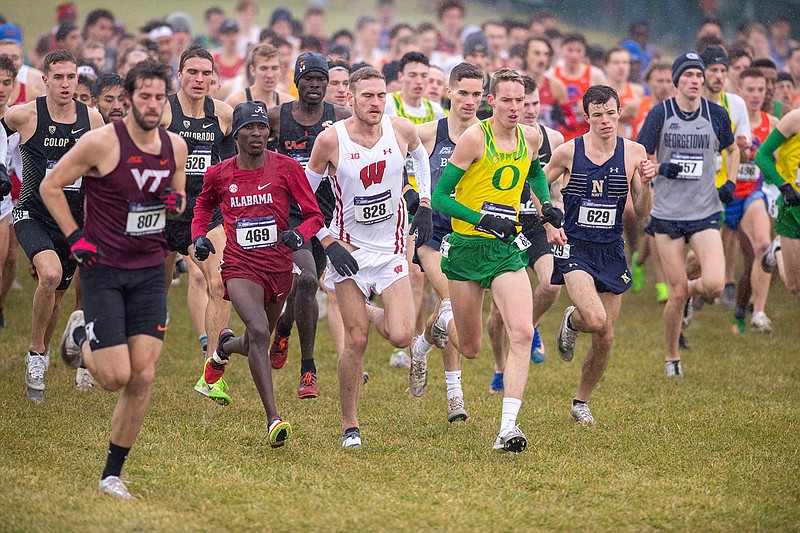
[148, 221]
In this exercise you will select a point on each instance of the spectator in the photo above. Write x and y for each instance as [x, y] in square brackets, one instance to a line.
[212, 20]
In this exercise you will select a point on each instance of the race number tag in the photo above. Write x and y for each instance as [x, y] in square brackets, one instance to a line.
[71, 187]
[718, 162]
[747, 172]
[198, 161]
[499, 210]
[562, 252]
[528, 208]
[373, 209]
[797, 177]
[145, 219]
[596, 215]
[444, 248]
[692, 165]
[522, 241]
[252, 233]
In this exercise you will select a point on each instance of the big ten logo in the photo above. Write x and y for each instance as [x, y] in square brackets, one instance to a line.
[372, 173]
[505, 178]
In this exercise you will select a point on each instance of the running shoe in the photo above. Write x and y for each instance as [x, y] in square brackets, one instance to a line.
[34, 371]
[351, 439]
[2, 318]
[738, 325]
[418, 372]
[673, 369]
[688, 311]
[84, 381]
[215, 365]
[769, 262]
[455, 409]
[637, 273]
[279, 432]
[496, 386]
[580, 413]
[114, 486]
[400, 359]
[566, 337]
[439, 328]
[683, 342]
[761, 323]
[662, 293]
[511, 440]
[308, 386]
[729, 295]
[214, 391]
[365, 377]
[71, 352]
[279, 350]
[537, 347]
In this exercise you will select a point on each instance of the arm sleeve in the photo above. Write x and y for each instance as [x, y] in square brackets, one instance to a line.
[651, 129]
[314, 179]
[207, 201]
[764, 160]
[538, 181]
[3, 146]
[227, 148]
[300, 190]
[443, 203]
[422, 171]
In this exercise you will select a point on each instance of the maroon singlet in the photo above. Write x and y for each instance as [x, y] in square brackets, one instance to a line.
[124, 214]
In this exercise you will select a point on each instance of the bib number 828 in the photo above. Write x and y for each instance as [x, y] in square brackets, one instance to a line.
[257, 235]
[374, 211]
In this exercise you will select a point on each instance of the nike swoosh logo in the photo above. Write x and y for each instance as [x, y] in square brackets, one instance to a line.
[517, 158]
[77, 131]
[164, 162]
[279, 295]
[161, 328]
[262, 187]
[207, 125]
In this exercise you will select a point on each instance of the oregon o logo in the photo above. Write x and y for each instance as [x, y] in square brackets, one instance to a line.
[502, 177]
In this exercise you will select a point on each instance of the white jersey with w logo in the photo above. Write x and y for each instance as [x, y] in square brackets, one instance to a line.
[369, 210]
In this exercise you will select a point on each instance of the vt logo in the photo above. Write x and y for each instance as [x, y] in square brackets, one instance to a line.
[142, 176]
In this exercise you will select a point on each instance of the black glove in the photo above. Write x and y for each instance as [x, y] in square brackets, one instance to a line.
[557, 115]
[526, 193]
[726, 192]
[84, 252]
[422, 225]
[344, 263]
[5, 182]
[292, 238]
[173, 200]
[502, 228]
[203, 247]
[790, 196]
[552, 215]
[412, 201]
[670, 170]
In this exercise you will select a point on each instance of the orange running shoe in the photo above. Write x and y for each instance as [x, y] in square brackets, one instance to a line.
[308, 386]
[279, 350]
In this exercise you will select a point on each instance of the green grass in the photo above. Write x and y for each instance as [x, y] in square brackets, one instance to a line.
[717, 449]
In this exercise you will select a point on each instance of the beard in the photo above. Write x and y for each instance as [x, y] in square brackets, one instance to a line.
[140, 120]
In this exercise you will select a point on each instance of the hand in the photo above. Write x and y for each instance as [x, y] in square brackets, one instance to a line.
[5, 182]
[344, 263]
[555, 235]
[203, 247]
[412, 200]
[552, 215]
[742, 143]
[526, 193]
[84, 252]
[557, 115]
[422, 225]
[292, 238]
[173, 200]
[726, 192]
[502, 228]
[790, 196]
[647, 171]
[670, 170]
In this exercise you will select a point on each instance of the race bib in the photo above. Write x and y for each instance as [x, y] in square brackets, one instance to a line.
[691, 164]
[528, 208]
[373, 209]
[252, 233]
[444, 248]
[562, 252]
[596, 215]
[499, 210]
[797, 178]
[522, 241]
[72, 187]
[198, 161]
[718, 162]
[145, 219]
[747, 172]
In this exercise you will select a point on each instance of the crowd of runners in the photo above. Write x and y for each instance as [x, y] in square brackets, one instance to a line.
[388, 175]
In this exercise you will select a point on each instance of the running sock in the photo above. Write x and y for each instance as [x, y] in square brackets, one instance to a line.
[422, 344]
[446, 317]
[203, 341]
[79, 336]
[282, 329]
[576, 401]
[307, 365]
[453, 380]
[510, 411]
[662, 291]
[116, 458]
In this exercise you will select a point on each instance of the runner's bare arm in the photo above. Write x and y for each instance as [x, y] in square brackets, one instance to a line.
[643, 173]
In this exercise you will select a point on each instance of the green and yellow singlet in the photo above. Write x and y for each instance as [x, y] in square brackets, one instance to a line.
[788, 161]
[401, 110]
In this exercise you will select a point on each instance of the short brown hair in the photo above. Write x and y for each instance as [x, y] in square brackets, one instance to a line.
[7, 64]
[263, 51]
[504, 74]
[57, 56]
[195, 51]
[366, 73]
[751, 72]
[464, 70]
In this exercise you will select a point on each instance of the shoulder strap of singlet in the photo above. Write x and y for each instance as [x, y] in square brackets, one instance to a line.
[166, 144]
[328, 112]
[208, 107]
[41, 108]
[247, 94]
[81, 112]
[442, 131]
[545, 147]
[705, 109]
[669, 110]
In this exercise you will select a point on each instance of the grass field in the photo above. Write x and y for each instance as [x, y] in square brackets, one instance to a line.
[715, 450]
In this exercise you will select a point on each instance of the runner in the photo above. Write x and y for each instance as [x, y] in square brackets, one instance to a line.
[554, 108]
[482, 251]
[264, 66]
[134, 179]
[590, 253]
[253, 191]
[108, 97]
[48, 128]
[364, 157]
[338, 74]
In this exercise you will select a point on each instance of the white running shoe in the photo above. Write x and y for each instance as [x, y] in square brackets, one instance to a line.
[580, 413]
[673, 369]
[71, 352]
[761, 323]
[400, 359]
[114, 486]
[418, 374]
[439, 329]
[84, 380]
[34, 371]
[351, 439]
[769, 262]
[511, 440]
[567, 337]
[455, 409]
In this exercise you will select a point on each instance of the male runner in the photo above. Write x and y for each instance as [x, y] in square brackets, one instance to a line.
[205, 125]
[296, 125]
[8, 73]
[108, 97]
[488, 170]
[364, 158]
[555, 110]
[134, 180]
[48, 128]
[540, 254]
[253, 191]
[598, 169]
[265, 70]
[684, 135]
[464, 90]
[338, 74]
[618, 70]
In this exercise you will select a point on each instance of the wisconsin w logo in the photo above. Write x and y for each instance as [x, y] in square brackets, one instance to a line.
[373, 173]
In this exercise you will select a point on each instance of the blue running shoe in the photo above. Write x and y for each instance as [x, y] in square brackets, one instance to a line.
[537, 347]
[497, 383]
